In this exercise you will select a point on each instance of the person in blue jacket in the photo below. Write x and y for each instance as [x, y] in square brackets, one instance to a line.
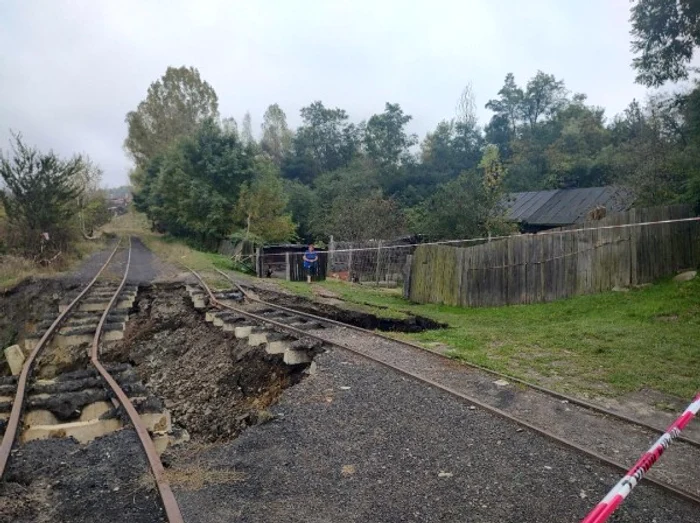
[310, 262]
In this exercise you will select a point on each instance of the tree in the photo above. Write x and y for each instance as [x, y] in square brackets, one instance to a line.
[543, 97]
[301, 201]
[247, 130]
[325, 141]
[276, 139]
[385, 138]
[665, 33]
[468, 206]
[191, 191]
[508, 106]
[367, 218]
[39, 198]
[174, 107]
[92, 203]
[262, 206]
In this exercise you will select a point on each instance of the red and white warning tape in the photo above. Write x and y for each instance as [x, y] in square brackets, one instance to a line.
[620, 491]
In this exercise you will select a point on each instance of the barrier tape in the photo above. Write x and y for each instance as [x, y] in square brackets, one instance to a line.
[620, 491]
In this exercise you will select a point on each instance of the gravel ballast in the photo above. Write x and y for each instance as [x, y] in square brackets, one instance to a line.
[357, 442]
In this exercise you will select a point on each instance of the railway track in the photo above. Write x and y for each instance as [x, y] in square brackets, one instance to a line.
[608, 437]
[98, 393]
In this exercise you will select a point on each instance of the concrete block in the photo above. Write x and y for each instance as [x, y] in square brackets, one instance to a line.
[296, 357]
[39, 417]
[15, 358]
[94, 410]
[157, 421]
[199, 303]
[255, 339]
[218, 321]
[82, 431]
[242, 332]
[685, 276]
[210, 315]
[277, 347]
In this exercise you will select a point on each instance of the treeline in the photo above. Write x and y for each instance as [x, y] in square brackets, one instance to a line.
[48, 202]
[205, 178]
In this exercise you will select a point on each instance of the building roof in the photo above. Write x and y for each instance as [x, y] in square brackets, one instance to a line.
[564, 206]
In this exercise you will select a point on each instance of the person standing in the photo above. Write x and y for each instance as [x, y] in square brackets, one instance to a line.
[310, 262]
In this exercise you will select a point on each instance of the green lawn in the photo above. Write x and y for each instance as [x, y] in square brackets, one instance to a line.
[606, 344]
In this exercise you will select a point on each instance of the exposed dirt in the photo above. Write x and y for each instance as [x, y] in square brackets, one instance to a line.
[214, 385]
[22, 308]
[59, 480]
[357, 318]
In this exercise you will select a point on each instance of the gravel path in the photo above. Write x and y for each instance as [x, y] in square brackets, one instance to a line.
[610, 437]
[358, 443]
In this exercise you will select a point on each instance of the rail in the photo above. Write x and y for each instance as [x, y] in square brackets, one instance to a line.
[469, 399]
[16, 412]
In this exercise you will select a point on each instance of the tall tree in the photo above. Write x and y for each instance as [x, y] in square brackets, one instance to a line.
[508, 105]
[39, 198]
[385, 138]
[192, 190]
[665, 34]
[276, 139]
[324, 142]
[247, 130]
[175, 106]
[262, 206]
[543, 97]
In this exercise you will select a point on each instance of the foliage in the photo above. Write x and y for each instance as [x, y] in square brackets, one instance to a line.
[276, 139]
[385, 139]
[324, 142]
[369, 180]
[466, 207]
[192, 189]
[262, 206]
[665, 35]
[174, 107]
[40, 197]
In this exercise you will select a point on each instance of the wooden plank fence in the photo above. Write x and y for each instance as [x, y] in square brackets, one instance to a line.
[541, 268]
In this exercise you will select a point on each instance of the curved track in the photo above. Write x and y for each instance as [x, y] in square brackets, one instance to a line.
[169, 504]
[549, 392]
[684, 494]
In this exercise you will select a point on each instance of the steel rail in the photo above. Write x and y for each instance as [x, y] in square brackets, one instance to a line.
[172, 510]
[539, 388]
[688, 496]
[16, 412]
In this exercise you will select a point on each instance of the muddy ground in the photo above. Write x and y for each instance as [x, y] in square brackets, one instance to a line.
[213, 385]
[360, 319]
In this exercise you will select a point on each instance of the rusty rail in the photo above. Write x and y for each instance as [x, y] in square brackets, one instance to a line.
[473, 401]
[13, 423]
[172, 510]
[539, 388]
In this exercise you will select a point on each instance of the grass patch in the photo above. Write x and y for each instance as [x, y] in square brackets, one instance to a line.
[605, 344]
[14, 269]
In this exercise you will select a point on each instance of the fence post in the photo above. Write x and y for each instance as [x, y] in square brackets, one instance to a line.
[258, 265]
[287, 267]
[376, 272]
[407, 277]
[350, 264]
[331, 253]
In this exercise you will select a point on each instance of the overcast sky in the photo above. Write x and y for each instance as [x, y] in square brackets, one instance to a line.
[71, 70]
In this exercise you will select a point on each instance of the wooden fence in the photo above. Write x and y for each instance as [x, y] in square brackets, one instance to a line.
[545, 267]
